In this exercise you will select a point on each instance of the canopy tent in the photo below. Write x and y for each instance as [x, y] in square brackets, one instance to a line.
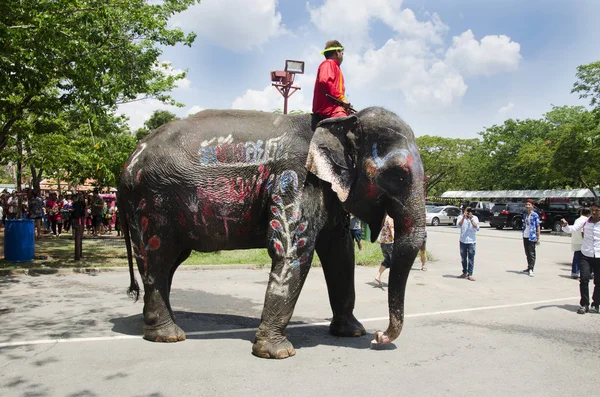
[519, 194]
[7, 187]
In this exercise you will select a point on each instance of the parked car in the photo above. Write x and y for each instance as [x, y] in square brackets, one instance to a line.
[482, 209]
[511, 215]
[556, 211]
[446, 215]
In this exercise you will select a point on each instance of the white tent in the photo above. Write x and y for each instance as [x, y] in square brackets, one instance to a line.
[9, 187]
[523, 194]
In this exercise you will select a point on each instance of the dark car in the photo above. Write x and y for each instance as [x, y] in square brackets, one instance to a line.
[557, 211]
[511, 215]
[482, 209]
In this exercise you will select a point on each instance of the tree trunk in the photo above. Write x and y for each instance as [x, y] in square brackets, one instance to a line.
[36, 178]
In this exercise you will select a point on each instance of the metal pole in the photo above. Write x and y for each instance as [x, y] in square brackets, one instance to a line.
[286, 91]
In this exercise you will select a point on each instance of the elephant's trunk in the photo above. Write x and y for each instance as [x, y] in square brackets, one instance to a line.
[404, 254]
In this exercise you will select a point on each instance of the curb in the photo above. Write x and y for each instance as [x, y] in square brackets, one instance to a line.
[38, 271]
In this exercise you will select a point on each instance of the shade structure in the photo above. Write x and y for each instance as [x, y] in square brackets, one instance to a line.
[524, 194]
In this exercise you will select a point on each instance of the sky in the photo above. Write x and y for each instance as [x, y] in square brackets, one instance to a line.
[448, 68]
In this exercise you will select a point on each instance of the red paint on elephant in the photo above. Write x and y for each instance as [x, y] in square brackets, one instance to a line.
[371, 190]
[407, 224]
[276, 225]
[144, 256]
[233, 189]
[301, 243]
[302, 227]
[154, 243]
[278, 247]
[181, 219]
[144, 224]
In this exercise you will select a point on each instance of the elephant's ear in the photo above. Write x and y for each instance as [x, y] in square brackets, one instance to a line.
[331, 154]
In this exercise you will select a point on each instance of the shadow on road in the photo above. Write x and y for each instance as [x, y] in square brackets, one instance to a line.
[212, 326]
[570, 308]
[517, 272]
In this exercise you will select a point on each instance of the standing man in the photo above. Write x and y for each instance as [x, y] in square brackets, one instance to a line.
[330, 81]
[469, 225]
[355, 229]
[97, 207]
[36, 211]
[386, 240]
[590, 259]
[531, 235]
[577, 241]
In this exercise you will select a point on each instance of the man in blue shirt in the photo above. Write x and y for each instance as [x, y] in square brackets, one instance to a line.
[469, 225]
[531, 235]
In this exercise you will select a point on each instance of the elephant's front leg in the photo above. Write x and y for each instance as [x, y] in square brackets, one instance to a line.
[336, 251]
[285, 282]
[291, 247]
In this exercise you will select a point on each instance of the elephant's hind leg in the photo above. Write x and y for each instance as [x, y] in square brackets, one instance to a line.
[157, 259]
[336, 251]
[159, 323]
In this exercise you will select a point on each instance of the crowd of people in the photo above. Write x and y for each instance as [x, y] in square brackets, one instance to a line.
[54, 214]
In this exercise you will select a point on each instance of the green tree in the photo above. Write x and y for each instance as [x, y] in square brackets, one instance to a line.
[574, 144]
[511, 155]
[588, 83]
[158, 118]
[442, 159]
[85, 54]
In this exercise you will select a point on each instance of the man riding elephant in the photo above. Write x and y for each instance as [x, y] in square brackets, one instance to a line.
[329, 84]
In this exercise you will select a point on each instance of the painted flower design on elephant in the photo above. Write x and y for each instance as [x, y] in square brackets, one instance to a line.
[285, 230]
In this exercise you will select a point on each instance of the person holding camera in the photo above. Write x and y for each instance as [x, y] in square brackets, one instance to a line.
[469, 225]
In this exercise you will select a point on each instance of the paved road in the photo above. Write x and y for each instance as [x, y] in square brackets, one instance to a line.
[505, 334]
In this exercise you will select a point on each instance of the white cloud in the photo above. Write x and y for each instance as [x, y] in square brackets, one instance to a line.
[233, 24]
[407, 66]
[350, 19]
[194, 109]
[410, 62]
[494, 54]
[140, 111]
[270, 99]
[505, 109]
[414, 61]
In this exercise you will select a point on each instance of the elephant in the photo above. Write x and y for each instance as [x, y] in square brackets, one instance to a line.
[235, 179]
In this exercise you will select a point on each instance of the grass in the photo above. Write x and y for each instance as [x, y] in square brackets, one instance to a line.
[53, 253]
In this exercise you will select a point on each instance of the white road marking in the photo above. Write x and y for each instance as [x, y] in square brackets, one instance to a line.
[237, 330]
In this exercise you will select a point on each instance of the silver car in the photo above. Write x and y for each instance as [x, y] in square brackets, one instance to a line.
[445, 215]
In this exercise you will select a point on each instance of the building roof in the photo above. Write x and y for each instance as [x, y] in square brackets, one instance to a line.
[88, 186]
[550, 193]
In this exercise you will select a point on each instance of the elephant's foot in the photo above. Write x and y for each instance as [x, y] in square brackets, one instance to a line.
[264, 349]
[346, 326]
[168, 333]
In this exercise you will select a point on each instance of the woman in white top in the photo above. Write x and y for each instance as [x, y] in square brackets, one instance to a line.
[590, 258]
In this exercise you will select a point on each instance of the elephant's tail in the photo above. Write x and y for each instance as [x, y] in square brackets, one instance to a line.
[134, 288]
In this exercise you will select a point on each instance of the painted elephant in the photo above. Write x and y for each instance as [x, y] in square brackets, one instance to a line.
[231, 179]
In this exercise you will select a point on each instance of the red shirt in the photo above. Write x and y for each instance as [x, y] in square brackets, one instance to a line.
[330, 80]
[53, 210]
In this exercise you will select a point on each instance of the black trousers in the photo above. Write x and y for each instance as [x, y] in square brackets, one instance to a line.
[589, 266]
[58, 223]
[529, 252]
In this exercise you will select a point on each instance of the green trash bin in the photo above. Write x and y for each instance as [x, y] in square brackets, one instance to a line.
[366, 232]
